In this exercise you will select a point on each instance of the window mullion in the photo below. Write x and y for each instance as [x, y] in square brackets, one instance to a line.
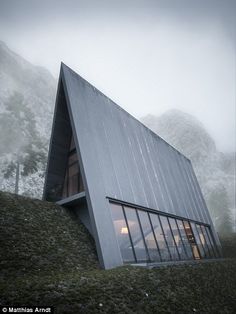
[131, 241]
[145, 245]
[173, 237]
[159, 252]
[164, 236]
[181, 239]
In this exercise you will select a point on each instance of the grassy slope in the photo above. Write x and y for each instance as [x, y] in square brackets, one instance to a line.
[55, 276]
[38, 237]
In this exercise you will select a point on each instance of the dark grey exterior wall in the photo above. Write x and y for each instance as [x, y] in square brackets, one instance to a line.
[122, 159]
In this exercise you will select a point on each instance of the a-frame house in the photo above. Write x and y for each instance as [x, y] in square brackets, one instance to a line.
[136, 194]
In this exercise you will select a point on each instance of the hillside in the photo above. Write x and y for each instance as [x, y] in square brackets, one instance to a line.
[48, 258]
[38, 237]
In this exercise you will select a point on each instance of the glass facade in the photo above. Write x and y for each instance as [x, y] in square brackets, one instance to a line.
[178, 239]
[144, 235]
[191, 240]
[161, 241]
[184, 239]
[149, 238]
[136, 234]
[122, 233]
[174, 254]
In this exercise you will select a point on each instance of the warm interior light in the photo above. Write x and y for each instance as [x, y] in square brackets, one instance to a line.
[124, 230]
[176, 239]
[202, 238]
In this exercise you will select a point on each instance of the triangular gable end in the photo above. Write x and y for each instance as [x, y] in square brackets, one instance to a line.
[64, 182]
[58, 149]
[63, 163]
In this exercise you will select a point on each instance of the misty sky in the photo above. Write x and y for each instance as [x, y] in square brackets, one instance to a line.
[148, 56]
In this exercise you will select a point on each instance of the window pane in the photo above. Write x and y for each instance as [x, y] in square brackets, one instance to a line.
[208, 249]
[191, 240]
[203, 241]
[122, 233]
[177, 237]
[197, 238]
[169, 238]
[184, 238]
[136, 235]
[148, 235]
[160, 238]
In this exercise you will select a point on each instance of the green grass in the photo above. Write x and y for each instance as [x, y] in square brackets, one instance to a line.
[47, 258]
[203, 288]
[38, 237]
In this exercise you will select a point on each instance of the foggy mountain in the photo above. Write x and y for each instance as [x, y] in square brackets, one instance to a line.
[38, 88]
[215, 170]
[36, 84]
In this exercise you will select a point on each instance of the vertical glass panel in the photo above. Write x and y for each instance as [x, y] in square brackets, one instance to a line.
[177, 238]
[169, 238]
[212, 242]
[165, 255]
[198, 240]
[184, 238]
[203, 241]
[208, 249]
[122, 233]
[136, 234]
[148, 236]
[191, 240]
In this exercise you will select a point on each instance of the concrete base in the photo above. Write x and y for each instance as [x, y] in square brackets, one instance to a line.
[178, 263]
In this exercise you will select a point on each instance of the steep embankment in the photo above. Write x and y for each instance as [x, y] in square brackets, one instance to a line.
[38, 237]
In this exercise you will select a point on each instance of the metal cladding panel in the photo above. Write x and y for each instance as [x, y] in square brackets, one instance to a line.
[124, 160]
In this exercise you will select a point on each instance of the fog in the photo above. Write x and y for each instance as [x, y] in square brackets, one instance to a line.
[148, 56]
